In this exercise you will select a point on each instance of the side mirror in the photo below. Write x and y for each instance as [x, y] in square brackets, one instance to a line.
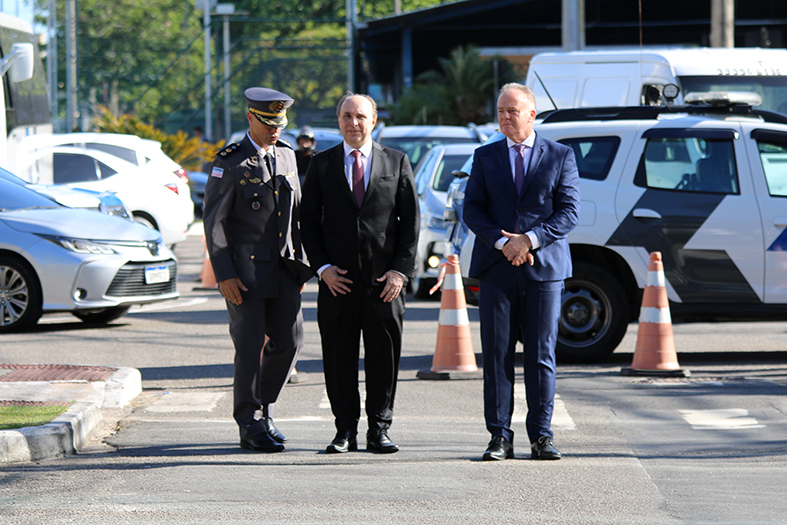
[19, 63]
[459, 174]
[450, 215]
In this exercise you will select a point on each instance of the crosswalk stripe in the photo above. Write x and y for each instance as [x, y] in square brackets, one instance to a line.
[561, 419]
[726, 419]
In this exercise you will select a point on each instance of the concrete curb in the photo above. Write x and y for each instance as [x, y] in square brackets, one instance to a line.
[68, 433]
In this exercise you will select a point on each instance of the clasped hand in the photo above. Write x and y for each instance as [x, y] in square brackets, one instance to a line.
[517, 248]
[334, 279]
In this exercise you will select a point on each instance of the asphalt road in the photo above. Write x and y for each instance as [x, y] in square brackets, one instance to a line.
[710, 448]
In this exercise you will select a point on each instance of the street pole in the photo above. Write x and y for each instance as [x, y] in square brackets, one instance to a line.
[51, 58]
[225, 11]
[352, 22]
[208, 93]
[71, 65]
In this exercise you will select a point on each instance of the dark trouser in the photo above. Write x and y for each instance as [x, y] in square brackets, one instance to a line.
[509, 301]
[260, 374]
[341, 320]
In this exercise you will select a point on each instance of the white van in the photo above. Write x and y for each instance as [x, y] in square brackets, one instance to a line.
[634, 77]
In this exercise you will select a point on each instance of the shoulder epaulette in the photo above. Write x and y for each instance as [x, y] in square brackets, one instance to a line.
[229, 149]
[281, 142]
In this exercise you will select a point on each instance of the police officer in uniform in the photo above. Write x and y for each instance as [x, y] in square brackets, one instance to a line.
[252, 206]
[307, 144]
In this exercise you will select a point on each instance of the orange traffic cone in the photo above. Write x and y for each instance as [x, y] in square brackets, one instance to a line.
[454, 357]
[655, 354]
[206, 276]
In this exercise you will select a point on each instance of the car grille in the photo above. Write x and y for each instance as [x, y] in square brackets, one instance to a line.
[130, 280]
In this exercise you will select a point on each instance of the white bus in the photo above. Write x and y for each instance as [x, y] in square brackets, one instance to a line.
[24, 88]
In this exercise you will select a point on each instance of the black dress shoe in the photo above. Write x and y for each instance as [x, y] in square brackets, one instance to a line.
[344, 441]
[378, 441]
[543, 448]
[499, 449]
[261, 443]
[272, 431]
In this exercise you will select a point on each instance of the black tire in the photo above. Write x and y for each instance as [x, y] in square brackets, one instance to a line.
[594, 315]
[102, 316]
[20, 295]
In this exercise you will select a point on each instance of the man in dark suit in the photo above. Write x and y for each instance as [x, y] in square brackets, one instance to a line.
[252, 206]
[360, 225]
[521, 200]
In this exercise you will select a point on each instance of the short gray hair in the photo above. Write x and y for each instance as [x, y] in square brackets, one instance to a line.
[526, 91]
[350, 94]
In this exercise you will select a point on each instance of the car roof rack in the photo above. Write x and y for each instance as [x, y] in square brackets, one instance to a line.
[653, 112]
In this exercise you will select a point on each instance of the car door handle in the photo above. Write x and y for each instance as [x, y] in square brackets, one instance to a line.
[780, 221]
[644, 213]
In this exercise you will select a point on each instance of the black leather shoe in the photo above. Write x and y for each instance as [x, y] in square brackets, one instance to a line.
[344, 441]
[272, 431]
[261, 443]
[544, 448]
[499, 449]
[378, 441]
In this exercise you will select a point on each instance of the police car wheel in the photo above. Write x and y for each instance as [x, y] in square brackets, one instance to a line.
[593, 315]
[20, 295]
[102, 316]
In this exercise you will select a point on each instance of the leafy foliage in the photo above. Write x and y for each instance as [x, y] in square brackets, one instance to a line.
[462, 91]
[189, 152]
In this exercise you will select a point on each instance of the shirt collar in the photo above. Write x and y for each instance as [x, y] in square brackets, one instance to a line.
[366, 149]
[529, 141]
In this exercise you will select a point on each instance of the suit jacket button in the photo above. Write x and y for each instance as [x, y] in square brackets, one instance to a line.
[279, 234]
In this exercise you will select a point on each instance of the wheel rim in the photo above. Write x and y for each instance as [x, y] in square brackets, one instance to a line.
[584, 314]
[14, 296]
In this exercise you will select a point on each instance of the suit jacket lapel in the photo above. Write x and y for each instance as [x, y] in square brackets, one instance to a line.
[535, 159]
[504, 166]
[337, 167]
[378, 160]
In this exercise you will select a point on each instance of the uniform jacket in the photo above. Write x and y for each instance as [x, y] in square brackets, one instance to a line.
[549, 205]
[252, 218]
[382, 235]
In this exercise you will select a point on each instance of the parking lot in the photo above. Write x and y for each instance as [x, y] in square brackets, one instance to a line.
[705, 449]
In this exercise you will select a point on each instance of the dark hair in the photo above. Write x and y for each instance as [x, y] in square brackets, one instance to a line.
[350, 94]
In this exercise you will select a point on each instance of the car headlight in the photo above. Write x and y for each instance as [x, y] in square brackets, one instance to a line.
[80, 245]
[118, 210]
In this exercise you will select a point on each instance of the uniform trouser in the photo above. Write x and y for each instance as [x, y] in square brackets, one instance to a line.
[508, 302]
[260, 374]
[342, 319]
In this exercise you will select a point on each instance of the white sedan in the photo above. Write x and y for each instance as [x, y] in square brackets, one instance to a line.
[58, 259]
[153, 200]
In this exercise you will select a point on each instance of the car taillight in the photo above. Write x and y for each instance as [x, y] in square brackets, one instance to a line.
[173, 187]
[183, 175]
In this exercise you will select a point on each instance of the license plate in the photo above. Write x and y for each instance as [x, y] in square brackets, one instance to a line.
[156, 274]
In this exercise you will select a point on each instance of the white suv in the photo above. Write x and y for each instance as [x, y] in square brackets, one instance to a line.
[706, 185]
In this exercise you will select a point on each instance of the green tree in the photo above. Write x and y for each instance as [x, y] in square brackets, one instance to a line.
[462, 91]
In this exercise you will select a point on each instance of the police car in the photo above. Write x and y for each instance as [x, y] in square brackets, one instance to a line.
[703, 183]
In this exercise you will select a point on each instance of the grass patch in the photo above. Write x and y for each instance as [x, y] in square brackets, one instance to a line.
[29, 415]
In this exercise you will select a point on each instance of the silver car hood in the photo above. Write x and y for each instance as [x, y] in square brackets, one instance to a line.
[78, 224]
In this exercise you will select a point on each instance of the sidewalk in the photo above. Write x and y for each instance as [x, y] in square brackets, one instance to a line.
[91, 388]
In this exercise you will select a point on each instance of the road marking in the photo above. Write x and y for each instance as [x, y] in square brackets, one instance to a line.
[560, 416]
[185, 402]
[728, 419]
[167, 306]
[325, 403]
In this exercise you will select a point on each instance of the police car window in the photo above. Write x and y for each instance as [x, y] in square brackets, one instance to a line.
[129, 155]
[594, 155]
[689, 164]
[773, 156]
[105, 170]
[424, 172]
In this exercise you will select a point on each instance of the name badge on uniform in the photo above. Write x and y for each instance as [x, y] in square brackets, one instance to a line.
[255, 205]
[217, 172]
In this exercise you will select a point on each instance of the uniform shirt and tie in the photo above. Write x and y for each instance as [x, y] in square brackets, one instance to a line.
[268, 156]
[519, 158]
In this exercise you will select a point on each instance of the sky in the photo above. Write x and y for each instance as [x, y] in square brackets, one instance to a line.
[19, 8]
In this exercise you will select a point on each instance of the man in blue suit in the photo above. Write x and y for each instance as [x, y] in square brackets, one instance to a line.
[521, 201]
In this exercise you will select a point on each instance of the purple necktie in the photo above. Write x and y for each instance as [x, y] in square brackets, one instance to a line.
[519, 175]
[519, 168]
[357, 178]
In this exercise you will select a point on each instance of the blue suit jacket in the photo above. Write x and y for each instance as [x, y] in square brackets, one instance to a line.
[549, 205]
